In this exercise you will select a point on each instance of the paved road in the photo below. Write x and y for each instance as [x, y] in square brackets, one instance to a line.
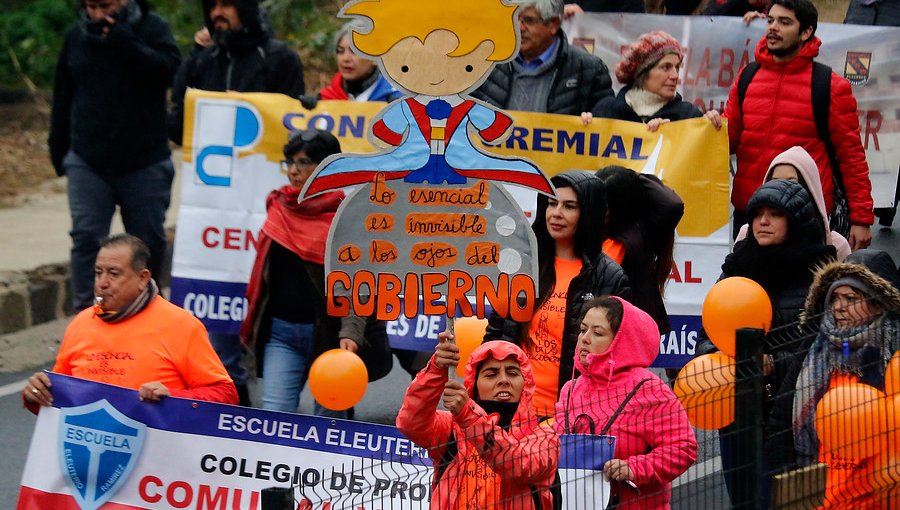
[701, 489]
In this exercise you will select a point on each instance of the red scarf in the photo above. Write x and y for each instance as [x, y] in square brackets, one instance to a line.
[335, 90]
[301, 228]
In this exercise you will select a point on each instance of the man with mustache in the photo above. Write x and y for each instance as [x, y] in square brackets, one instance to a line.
[775, 114]
[548, 75]
[237, 54]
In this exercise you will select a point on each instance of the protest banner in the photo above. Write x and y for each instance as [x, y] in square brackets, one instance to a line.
[233, 145]
[99, 445]
[717, 47]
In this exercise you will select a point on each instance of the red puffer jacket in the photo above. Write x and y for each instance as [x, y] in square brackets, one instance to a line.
[777, 115]
[523, 457]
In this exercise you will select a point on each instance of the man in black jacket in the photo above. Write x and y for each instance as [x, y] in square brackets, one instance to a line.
[108, 130]
[241, 56]
[548, 75]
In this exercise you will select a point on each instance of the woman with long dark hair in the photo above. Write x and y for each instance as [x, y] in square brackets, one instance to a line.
[640, 234]
[572, 271]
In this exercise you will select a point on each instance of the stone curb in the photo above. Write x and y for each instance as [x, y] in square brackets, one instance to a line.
[41, 295]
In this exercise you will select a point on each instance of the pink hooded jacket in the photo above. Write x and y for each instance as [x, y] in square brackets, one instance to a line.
[652, 433]
[523, 457]
[798, 158]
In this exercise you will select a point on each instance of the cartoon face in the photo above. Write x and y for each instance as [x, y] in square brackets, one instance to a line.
[428, 69]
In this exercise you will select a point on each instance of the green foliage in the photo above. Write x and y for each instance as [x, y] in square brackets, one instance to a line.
[34, 30]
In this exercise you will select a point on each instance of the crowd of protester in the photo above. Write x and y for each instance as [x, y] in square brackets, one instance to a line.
[604, 246]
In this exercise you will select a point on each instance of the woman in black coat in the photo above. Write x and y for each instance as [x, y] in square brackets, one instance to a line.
[649, 71]
[572, 271]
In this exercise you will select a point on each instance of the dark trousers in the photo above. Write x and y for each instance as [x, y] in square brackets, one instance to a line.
[142, 196]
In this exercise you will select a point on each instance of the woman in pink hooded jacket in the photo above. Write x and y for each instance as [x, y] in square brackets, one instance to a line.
[795, 164]
[488, 450]
[654, 439]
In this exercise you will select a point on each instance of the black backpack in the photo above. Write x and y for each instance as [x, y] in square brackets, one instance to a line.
[821, 104]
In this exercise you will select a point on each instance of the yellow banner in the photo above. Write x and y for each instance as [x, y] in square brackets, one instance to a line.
[689, 156]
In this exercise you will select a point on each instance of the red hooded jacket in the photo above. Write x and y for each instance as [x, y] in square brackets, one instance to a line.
[777, 115]
[523, 457]
[653, 433]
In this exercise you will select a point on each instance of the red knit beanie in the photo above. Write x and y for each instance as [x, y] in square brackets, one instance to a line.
[644, 53]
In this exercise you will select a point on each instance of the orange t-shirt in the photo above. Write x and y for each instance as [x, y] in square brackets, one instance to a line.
[480, 486]
[546, 331]
[162, 343]
[614, 250]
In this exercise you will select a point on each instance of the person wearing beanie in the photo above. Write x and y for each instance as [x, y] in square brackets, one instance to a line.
[649, 71]
[785, 247]
[572, 270]
[857, 310]
[795, 164]
[487, 448]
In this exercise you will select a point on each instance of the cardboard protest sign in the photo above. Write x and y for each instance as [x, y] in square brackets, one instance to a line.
[433, 219]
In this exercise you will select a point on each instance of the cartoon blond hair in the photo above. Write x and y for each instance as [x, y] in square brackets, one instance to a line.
[473, 22]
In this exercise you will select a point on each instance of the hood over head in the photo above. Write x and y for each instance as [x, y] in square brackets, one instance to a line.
[806, 167]
[635, 345]
[500, 350]
[876, 279]
[252, 17]
[804, 223]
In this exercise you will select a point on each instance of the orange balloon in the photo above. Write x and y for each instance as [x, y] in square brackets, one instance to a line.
[851, 421]
[892, 436]
[469, 333]
[892, 376]
[886, 471]
[731, 304]
[705, 387]
[338, 379]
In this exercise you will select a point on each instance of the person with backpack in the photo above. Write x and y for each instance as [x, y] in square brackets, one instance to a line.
[768, 112]
[488, 449]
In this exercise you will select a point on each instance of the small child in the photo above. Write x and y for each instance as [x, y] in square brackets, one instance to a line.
[654, 440]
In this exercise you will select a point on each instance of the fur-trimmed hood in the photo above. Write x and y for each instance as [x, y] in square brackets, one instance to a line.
[889, 296]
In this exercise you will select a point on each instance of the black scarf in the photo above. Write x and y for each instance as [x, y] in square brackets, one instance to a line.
[506, 410]
[776, 267]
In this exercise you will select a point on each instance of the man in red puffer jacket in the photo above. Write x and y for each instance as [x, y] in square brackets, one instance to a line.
[777, 113]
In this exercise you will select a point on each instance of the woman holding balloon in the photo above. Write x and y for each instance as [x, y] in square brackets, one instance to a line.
[286, 321]
[572, 270]
[786, 245]
[833, 407]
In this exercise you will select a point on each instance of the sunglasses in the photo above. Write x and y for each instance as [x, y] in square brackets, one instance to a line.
[307, 135]
[286, 164]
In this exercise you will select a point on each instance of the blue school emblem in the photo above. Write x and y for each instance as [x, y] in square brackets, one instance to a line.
[98, 448]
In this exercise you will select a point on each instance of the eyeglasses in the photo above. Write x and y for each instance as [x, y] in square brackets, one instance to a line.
[845, 301]
[287, 163]
[531, 20]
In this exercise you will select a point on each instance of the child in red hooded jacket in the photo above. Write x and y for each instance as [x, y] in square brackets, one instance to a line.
[654, 439]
